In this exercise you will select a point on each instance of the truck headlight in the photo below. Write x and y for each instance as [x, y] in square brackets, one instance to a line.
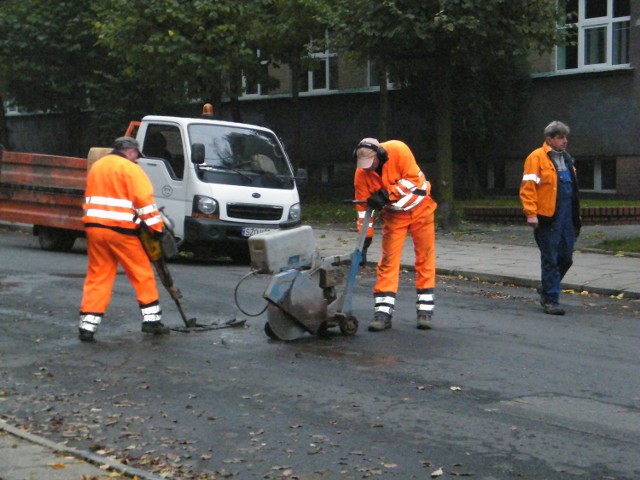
[206, 205]
[295, 213]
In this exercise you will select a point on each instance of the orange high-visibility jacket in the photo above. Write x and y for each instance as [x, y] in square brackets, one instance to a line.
[119, 195]
[539, 186]
[402, 179]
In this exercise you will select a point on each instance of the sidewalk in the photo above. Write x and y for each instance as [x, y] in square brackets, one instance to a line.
[498, 257]
[24, 456]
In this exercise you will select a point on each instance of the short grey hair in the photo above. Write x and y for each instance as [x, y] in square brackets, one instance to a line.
[556, 128]
[126, 142]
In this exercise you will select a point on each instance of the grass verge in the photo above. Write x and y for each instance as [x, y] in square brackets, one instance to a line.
[620, 245]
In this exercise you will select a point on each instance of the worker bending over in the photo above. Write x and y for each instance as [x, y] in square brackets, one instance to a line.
[391, 181]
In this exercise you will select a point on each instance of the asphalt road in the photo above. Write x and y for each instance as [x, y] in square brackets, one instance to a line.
[497, 390]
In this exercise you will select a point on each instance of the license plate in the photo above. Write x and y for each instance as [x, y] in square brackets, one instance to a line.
[250, 231]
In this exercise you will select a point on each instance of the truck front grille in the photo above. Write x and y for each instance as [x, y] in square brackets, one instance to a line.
[253, 212]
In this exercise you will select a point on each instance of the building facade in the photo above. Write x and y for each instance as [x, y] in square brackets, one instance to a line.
[592, 84]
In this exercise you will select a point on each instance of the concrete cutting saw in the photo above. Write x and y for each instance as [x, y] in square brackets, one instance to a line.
[307, 294]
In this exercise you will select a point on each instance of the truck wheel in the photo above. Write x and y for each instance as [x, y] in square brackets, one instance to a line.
[55, 239]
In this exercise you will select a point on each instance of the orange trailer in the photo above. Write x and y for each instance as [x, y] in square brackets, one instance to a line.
[45, 191]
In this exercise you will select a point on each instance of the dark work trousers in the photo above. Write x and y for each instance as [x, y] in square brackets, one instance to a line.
[555, 241]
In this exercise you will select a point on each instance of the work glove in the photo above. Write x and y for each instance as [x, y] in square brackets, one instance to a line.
[365, 247]
[378, 200]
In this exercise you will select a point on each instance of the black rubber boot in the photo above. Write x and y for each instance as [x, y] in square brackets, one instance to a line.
[380, 323]
[85, 335]
[424, 322]
[156, 328]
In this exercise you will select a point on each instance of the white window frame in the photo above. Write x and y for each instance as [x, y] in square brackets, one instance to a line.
[258, 91]
[372, 81]
[583, 25]
[245, 94]
[597, 178]
[325, 57]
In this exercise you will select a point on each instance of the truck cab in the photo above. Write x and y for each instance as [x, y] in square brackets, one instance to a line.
[220, 182]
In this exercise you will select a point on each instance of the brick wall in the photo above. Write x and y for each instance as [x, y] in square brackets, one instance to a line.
[628, 177]
[624, 215]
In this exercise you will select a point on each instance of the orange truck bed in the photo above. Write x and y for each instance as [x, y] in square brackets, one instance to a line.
[42, 190]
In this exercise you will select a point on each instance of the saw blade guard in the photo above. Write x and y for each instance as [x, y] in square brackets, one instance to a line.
[298, 295]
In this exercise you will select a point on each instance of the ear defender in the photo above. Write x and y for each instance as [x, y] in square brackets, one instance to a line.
[381, 153]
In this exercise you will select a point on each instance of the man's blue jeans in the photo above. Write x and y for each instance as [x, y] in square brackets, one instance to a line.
[555, 241]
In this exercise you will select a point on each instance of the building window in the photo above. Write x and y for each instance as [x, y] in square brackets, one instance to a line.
[251, 86]
[373, 76]
[598, 35]
[597, 175]
[323, 72]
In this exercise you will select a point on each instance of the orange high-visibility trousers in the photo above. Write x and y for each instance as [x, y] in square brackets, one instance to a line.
[105, 249]
[397, 224]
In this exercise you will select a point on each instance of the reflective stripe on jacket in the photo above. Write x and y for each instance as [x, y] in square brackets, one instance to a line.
[539, 186]
[400, 176]
[119, 195]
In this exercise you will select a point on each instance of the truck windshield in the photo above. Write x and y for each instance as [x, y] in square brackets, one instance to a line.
[241, 156]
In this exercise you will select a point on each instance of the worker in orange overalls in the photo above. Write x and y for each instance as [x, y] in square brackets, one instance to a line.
[390, 180]
[118, 197]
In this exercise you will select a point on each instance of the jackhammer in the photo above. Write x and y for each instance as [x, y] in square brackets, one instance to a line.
[160, 248]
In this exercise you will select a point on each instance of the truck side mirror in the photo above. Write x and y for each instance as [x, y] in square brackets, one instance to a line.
[302, 177]
[197, 153]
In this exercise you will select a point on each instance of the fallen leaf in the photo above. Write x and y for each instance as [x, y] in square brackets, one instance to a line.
[57, 466]
[437, 473]
[455, 388]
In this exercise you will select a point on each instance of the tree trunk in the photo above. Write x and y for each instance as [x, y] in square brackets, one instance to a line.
[444, 156]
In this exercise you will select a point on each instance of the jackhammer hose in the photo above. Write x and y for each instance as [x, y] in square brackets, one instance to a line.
[235, 297]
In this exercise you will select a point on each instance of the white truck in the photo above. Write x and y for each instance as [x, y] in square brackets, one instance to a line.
[220, 182]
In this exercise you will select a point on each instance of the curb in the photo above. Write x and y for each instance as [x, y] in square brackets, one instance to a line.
[528, 283]
[89, 457]
[608, 252]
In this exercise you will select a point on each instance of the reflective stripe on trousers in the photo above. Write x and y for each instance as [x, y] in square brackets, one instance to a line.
[385, 303]
[151, 312]
[90, 321]
[424, 304]
[105, 250]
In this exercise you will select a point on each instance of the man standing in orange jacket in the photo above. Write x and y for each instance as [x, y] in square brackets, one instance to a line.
[549, 196]
[389, 179]
[118, 197]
